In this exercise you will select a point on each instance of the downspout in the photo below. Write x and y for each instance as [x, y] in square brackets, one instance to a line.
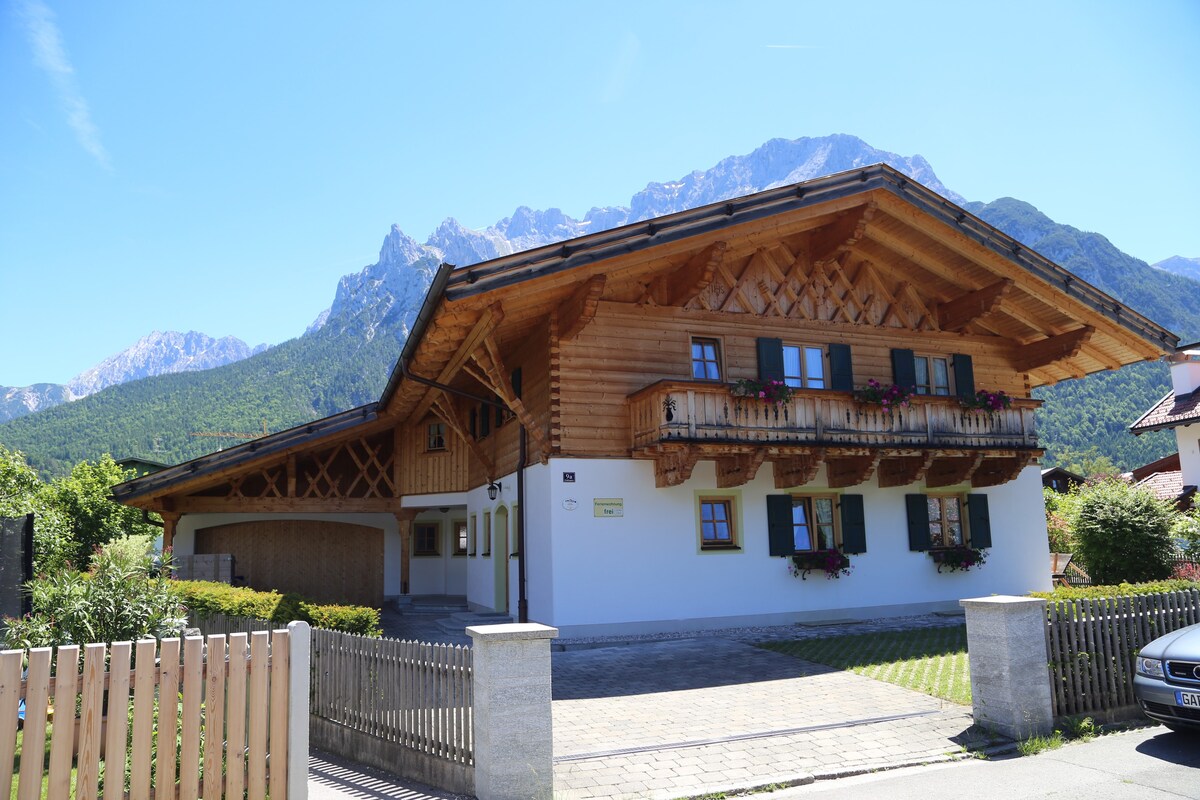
[522, 600]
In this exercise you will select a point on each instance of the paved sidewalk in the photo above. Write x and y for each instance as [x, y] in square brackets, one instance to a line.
[333, 778]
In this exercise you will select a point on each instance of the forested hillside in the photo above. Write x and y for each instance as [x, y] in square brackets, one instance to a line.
[298, 381]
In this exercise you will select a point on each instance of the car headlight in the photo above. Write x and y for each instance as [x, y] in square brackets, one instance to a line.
[1150, 667]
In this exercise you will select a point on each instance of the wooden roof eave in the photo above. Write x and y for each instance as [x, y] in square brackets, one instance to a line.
[154, 491]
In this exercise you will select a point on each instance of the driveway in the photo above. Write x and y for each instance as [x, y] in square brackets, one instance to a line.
[686, 717]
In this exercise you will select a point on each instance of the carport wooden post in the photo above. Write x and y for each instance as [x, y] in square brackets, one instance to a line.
[511, 717]
[1010, 680]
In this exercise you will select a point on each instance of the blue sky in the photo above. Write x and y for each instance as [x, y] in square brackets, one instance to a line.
[218, 166]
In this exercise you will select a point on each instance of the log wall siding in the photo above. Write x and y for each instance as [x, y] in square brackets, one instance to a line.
[426, 472]
[332, 562]
[629, 347]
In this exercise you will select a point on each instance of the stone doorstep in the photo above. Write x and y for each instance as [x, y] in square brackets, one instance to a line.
[459, 621]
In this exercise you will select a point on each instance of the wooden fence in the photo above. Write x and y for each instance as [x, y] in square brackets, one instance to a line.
[1092, 644]
[398, 705]
[229, 726]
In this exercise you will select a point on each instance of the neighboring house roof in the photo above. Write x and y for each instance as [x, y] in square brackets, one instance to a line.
[1169, 412]
[1164, 464]
[1168, 485]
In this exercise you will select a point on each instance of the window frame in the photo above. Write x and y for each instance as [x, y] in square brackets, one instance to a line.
[458, 526]
[733, 521]
[804, 380]
[809, 501]
[487, 534]
[472, 535]
[435, 432]
[718, 358]
[929, 389]
[964, 529]
[425, 527]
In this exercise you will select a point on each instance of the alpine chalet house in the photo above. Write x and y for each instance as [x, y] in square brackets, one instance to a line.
[1175, 477]
[698, 420]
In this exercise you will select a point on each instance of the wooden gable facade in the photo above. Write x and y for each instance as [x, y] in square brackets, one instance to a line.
[585, 350]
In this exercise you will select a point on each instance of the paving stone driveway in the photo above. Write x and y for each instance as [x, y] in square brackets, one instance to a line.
[681, 718]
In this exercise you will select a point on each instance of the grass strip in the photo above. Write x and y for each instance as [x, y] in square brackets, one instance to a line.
[928, 660]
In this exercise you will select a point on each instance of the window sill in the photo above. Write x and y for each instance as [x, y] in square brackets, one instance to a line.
[712, 548]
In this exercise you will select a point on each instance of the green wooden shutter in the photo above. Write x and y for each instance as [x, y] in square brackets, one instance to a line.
[918, 521]
[854, 524]
[964, 375]
[770, 359]
[979, 521]
[841, 371]
[904, 369]
[779, 524]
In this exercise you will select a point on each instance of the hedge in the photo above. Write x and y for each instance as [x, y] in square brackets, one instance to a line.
[207, 598]
[1120, 590]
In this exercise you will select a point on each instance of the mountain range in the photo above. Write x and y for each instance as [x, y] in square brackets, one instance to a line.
[345, 356]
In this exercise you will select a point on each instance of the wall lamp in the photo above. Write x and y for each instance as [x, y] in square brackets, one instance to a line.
[493, 490]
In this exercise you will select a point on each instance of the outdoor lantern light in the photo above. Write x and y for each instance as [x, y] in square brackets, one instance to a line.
[493, 490]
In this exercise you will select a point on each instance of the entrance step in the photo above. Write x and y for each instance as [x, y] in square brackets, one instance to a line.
[460, 621]
[431, 605]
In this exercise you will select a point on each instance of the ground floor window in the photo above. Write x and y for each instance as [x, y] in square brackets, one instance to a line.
[718, 522]
[945, 520]
[938, 521]
[460, 538]
[813, 522]
[487, 533]
[425, 539]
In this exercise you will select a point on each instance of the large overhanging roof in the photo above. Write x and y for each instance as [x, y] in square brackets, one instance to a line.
[969, 278]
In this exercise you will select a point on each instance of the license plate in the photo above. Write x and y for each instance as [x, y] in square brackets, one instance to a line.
[1187, 699]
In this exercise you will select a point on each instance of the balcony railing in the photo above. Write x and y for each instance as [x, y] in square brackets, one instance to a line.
[686, 411]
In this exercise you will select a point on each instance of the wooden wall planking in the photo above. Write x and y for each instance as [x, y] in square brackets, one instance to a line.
[628, 347]
[331, 562]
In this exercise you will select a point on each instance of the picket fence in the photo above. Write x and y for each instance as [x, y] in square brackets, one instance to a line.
[231, 723]
[1091, 644]
[403, 706]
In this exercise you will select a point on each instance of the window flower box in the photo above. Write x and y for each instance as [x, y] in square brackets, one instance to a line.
[889, 398]
[832, 562]
[985, 402]
[957, 558]
[770, 392]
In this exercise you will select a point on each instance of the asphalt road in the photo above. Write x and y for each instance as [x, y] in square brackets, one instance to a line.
[1146, 764]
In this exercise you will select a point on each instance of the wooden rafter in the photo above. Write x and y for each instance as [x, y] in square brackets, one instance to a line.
[485, 326]
[903, 470]
[494, 375]
[579, 309]
[996, 471]
[797, 470]
[837, 238]
[951, 470]
[739, 469]
[443, 408]
[956, 314]
[846, 471]
[1053, 348]
[688, 281]
[674, 467]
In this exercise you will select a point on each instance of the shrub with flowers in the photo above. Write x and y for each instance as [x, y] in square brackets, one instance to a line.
[986, 402]
[832, 562]
[959, 557]
[771, 392]
[888, 398]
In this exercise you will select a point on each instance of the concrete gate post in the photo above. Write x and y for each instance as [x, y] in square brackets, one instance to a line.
[511, 716]
[1010, 680]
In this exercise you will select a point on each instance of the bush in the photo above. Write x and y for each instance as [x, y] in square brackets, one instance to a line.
[206, 598]
[117, 601]
[1118, 590]
[1123, 533]
[1186, 533]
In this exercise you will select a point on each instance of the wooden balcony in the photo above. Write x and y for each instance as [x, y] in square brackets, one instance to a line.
[677, 422]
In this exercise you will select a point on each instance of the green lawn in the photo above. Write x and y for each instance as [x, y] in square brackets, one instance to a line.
[929, 660]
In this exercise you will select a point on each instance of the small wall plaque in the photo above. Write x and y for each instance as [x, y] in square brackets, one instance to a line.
[568, 477]
[608, 506]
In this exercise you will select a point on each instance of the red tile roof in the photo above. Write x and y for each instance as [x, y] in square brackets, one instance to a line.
[1169, 412]
[1165, 485]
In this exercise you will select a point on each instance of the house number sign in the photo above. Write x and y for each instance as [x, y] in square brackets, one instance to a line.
[608, 506]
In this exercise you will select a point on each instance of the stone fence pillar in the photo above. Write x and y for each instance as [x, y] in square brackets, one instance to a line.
[1010, 680]
[511, 717]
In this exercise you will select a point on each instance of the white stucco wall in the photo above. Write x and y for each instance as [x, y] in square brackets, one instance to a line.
[645, 570]
[1188, 439]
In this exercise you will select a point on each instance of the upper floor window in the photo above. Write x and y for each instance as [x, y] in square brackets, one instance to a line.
[435, 436]
[706, 359]
[932, 374]
[803, 367]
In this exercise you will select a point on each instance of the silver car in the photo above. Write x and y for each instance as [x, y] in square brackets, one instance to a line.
[1167, 682]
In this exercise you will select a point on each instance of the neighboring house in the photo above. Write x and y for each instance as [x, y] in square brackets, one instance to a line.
[654, 496]
[1060, 480]
[1176, 476]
